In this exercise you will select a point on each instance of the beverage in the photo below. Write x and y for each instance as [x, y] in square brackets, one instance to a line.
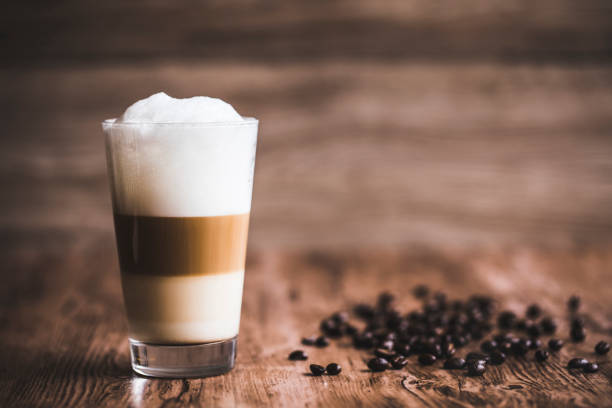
[181, 175]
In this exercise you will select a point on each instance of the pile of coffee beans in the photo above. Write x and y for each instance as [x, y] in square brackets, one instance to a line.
[441, 327]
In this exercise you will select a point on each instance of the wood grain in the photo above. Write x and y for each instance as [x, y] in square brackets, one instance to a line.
[64, 342]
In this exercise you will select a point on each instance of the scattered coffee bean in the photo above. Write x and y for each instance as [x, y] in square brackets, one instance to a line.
[309, 341]
[497, 357]
[521, 347]
[349, 329]
[555, 344]
[387, 344]
[533, 311]
[506, 320]
[578, 334]
[385, 300]
[541, 355]
[521, 325]
[333, 369]
[591, 368]
[364, 311]
[340, 317]
[535, 344]
[298, 355]
[477, 356]
[602, 347]
[399, 362]
[573, 304]
[533, 330]
[427, 359]
[448, 349]
[548, 325]
[363, 340]
[331, 328]
[505, 347]
[420, 291]
[378, 364]
[577, 321]
[488, 346]
[476, 367]
[403, 349]
[317, 370]
[577, 362]
[384, 353]
[322, 341]
[454, 363]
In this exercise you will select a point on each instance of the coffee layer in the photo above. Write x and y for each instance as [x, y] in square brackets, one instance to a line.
[181, 246]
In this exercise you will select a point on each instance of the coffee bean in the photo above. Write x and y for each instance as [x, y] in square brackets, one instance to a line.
[363, 340]
[420, 291]
[591, 368]
[317, 370]
[497, 357]
[541, 355]
[548, 325]
[322, 341]
[460, 341]
[387, 344]
[488, 346]
[578, 334]
[602, 347]
[333, 369]
[399, 362]
[427, 359]
[309, 341]
[385, 300]
[384, 353]
[577, 362]
[340, 317]
[521, 325]
[349, 329]
[476, 368]
[454, 363]
[573, 304]
[448, 349]
[477, 356]
[521, 347]
[403, 349]
[505, 347]
[506, 320]
[378, 364]
[330, 328]
[533, 330]
[533, 311]
[364, 311]
[298, 355]
[577, 321]
[535, 344]
[555, 344]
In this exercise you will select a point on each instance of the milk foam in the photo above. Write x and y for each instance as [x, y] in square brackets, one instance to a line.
[174, 157]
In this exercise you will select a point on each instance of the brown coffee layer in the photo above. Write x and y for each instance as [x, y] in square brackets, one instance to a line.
[175, 246]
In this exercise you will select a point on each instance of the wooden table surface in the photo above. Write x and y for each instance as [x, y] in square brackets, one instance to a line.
[64, 339]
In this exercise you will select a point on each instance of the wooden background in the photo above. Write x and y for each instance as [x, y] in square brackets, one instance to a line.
[405, 127]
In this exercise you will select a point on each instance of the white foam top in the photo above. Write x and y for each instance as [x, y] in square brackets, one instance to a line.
[165, 160]
[161, 108]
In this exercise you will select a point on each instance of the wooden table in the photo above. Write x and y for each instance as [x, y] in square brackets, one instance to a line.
[64, 339]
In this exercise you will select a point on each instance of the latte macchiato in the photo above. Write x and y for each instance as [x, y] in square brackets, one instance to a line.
[181, 173]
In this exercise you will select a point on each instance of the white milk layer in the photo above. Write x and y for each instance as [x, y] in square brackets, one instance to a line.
[183, 309]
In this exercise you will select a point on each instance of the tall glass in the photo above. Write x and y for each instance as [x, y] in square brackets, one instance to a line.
[181, 196]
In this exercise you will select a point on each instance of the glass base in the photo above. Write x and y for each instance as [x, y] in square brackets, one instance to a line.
[181, 361]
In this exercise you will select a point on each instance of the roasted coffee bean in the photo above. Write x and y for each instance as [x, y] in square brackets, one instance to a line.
[454, 363]
[573, 304]
[298, 355]
[602, 347]
[460, 341]
[448, 349]
[497, 357]
[502, 337]
[535, 344]
[388, 344]
[548, 325]
[521, 347]
[384, 353]
[521, 325]
[533, 330]
[578, 334]
[378, 364]
[488, 346]
[555, 344]
[333, 369]
[591, 368]
[385, 300]
[349, 329]
[505, 347]
[533, 311]
[420, 291]
[340, 317]
[322, 341]
[477, 356]
[577, 321]
[577, 362]
[541, 355]
[506, 320]
[363, 340]
[399, 362]
[427, 359]
[364, 311]
[435, 349]
[476, 368]
[309, 341]
[317, 370]
[330, 328]
[403, 349]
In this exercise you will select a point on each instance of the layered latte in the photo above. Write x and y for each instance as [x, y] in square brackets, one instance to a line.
[181, 199]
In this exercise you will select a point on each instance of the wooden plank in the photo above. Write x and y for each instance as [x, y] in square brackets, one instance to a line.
[63, 340]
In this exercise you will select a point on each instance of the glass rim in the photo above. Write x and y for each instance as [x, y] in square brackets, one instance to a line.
[247, 120]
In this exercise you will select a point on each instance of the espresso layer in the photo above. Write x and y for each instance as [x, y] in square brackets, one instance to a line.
[181, 246]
